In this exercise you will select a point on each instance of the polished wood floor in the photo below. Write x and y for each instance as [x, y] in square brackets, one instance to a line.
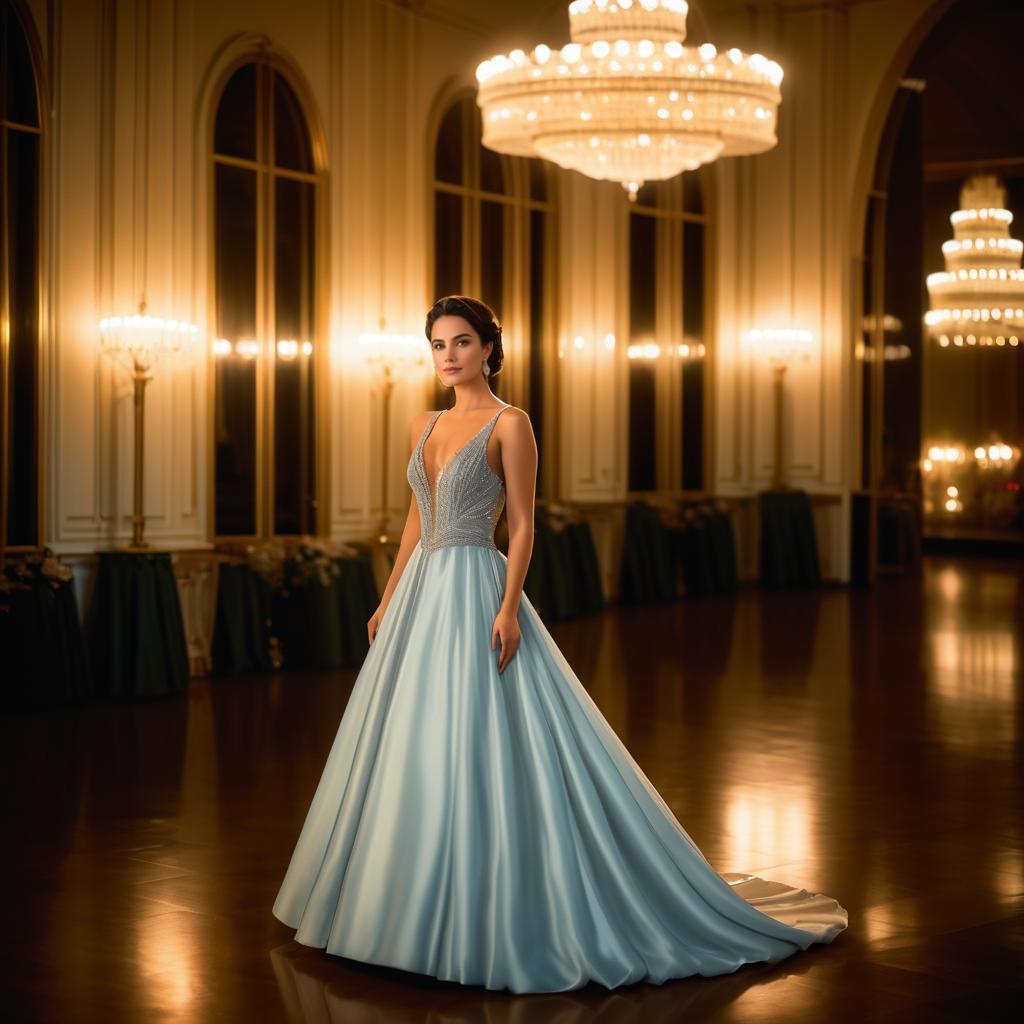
[866, 744]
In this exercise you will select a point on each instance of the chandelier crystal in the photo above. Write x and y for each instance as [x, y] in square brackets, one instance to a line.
[626, 101]
[979, 298]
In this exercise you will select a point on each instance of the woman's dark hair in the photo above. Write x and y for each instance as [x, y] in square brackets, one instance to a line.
[479, 316]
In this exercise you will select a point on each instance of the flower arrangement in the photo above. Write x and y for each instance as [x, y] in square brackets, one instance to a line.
[285, 565]
[23, 572]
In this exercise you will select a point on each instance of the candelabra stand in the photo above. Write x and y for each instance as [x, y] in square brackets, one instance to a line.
[779, 391]
[138, 342]
[392, 356]
[779, 348]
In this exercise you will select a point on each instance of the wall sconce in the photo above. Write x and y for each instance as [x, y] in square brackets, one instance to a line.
[688, 349]
[138, 343]
[779, 348]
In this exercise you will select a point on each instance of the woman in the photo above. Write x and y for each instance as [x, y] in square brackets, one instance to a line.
[477, 819]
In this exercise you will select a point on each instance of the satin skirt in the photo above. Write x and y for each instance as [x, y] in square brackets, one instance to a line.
[491, 829]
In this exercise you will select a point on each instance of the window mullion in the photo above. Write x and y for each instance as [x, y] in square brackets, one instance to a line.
[675, 362]
[5, 341]
[265, 135]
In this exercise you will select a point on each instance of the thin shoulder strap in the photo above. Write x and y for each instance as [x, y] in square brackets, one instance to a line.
[428, 427]
[494, 420]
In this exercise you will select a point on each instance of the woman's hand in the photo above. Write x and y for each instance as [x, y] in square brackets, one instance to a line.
[505, 628]
[375, 620]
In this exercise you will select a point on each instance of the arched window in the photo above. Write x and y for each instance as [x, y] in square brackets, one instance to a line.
[19, 285]
[266, 191]
[667, 323]
[494, 238]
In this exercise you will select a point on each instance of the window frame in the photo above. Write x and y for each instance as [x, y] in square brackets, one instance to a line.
[518, 205]
[668, 211]
[267, 64]
[31, 36]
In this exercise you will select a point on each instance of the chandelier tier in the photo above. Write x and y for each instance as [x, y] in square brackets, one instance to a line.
[626, 101]
[979, 298]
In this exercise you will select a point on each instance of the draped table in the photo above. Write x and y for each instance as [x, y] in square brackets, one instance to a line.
[319, 625]
[135, 630]
[789, 543]
[659, 559]
[44, 658]
[564, 577]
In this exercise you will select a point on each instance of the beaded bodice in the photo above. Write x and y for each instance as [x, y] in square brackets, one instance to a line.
[468, 495]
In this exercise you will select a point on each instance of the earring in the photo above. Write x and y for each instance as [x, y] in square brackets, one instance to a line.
[487, 368]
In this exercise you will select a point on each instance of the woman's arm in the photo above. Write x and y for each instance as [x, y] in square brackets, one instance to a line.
[519, 464]
[410, 537]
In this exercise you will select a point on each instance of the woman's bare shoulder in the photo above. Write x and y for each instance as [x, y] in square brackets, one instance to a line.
[513, 423]
[514, 417]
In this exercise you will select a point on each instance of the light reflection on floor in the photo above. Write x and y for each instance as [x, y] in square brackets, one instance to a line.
[974, 673]
[865, 744]
[768, 825]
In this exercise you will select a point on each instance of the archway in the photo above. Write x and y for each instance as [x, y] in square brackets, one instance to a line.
[946, 121]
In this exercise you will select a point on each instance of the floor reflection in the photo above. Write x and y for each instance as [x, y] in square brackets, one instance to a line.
[974, 657]
[880, 764]
[320, 989]
[769, 824]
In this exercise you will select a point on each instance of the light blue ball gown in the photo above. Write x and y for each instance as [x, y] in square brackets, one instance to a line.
[491, 829]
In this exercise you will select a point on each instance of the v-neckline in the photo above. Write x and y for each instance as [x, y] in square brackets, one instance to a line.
[451, 458]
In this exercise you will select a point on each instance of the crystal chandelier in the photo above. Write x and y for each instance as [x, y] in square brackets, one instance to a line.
[979, 298]
[626, 101]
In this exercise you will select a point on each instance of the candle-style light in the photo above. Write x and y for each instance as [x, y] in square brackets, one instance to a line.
[391, 356]
[138, 342]
[779, 348]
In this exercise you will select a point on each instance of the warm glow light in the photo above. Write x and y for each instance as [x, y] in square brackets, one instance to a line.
[392, 353]
[140, 341]
[645, 350]
[780, 346]
[655, 106]
[768, 825]
[979, 299]
[691, 350]
[221, 347]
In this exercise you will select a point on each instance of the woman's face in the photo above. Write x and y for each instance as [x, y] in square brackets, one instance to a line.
[458, 354]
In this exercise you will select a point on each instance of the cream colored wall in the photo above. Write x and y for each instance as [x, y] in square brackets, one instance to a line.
[127, 201]
[788, 228]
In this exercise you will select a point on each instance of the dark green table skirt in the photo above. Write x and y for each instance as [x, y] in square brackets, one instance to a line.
[649, 557]
[706, 551]
[45, 661]
[319, 626]
[658, 557]
[789, 544]
[564, 577]
[135, 629]
[241, 628]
